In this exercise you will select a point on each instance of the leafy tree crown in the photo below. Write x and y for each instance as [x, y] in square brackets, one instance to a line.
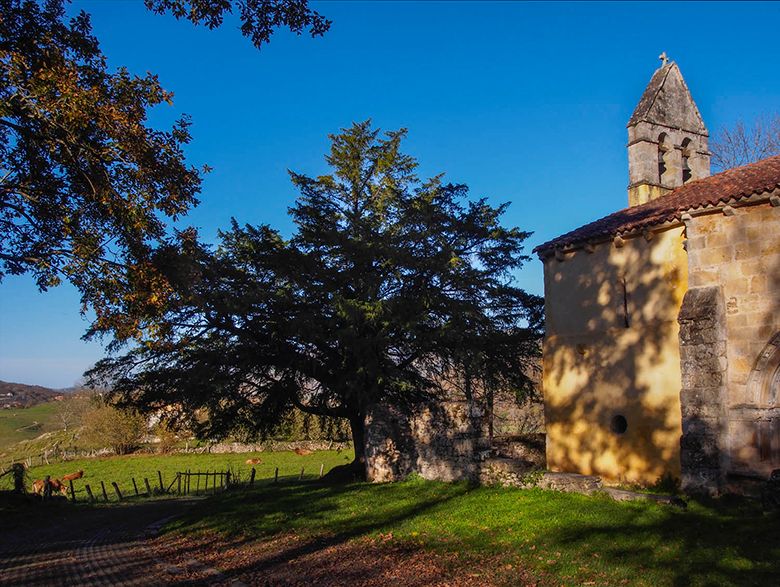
[390, 289]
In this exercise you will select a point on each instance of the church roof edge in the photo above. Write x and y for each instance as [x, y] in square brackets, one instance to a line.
[737, 183]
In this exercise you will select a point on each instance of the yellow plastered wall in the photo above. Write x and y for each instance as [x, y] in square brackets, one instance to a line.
[612, 349]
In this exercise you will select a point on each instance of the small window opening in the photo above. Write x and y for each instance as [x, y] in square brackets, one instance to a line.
[626, 322]
[619, 424]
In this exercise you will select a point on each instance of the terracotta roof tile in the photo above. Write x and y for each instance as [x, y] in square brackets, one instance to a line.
[737, 183]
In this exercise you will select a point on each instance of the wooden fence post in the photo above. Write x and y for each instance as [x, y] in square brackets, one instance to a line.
[135, 486]
[322, 468]
[301, 477]
[116, 488]
[178, 483]
[105, 495]
[18, 475]
[148, 487]
[89, 493]
[227, 480]
[159, 476]
[72, 491]
[252, 477]
[46, 487]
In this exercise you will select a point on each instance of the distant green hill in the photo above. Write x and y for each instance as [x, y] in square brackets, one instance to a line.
[17, 424]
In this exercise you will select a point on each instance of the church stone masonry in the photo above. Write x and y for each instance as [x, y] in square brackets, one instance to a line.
[662, 352]
[667, 139]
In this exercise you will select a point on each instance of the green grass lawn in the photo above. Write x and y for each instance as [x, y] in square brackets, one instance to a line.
[567, 539]
[19, 424]
[123, 469]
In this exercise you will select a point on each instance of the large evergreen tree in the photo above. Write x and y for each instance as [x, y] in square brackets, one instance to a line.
[387, 284]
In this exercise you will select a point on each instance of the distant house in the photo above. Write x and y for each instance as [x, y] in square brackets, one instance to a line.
[662, 353]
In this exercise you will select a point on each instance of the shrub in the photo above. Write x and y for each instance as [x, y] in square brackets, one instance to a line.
[120, 430]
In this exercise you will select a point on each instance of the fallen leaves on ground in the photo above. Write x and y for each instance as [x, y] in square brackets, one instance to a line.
[291, 560]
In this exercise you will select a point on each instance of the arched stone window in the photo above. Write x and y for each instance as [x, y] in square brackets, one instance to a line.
[686, 153]
[764, 380]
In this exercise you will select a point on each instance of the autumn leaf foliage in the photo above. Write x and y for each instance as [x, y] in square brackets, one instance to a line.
[87, 187]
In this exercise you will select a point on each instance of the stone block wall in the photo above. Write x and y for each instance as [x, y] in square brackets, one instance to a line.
[441, 441]
[703, 367]
[740, 252]
[645, 182]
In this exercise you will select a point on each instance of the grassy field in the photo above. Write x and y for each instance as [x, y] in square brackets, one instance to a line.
[123, 469]
[27, 423]
[565, 539]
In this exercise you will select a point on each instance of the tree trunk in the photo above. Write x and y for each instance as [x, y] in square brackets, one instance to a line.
[357, 425]
[356, 470]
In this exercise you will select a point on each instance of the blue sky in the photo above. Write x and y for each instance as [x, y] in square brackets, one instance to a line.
[524, 102]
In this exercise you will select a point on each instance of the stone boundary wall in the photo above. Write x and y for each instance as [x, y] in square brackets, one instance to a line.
[268, 446]
[703, 364]
[443, 441]
[513, 473]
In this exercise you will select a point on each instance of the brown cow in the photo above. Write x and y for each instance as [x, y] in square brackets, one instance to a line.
[253, 461]
[73, 476]
[56, 485]
[303, 451]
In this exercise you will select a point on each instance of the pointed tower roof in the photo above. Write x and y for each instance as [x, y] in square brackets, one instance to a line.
[668, 102]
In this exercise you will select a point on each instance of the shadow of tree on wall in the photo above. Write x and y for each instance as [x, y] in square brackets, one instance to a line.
[441, 441]
[613, 356]
[763, 383]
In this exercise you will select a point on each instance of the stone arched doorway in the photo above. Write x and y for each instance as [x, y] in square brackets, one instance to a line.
[764, 380]
[763, 389]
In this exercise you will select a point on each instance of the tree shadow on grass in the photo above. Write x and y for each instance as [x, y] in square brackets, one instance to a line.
[326, 532]
[717, 543]
[303, 520]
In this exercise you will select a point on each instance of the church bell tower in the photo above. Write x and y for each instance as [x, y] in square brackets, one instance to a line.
[667, 139]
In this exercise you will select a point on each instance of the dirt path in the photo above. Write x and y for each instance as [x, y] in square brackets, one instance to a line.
[79, 546]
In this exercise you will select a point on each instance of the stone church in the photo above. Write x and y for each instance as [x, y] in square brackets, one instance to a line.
[662, 350]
